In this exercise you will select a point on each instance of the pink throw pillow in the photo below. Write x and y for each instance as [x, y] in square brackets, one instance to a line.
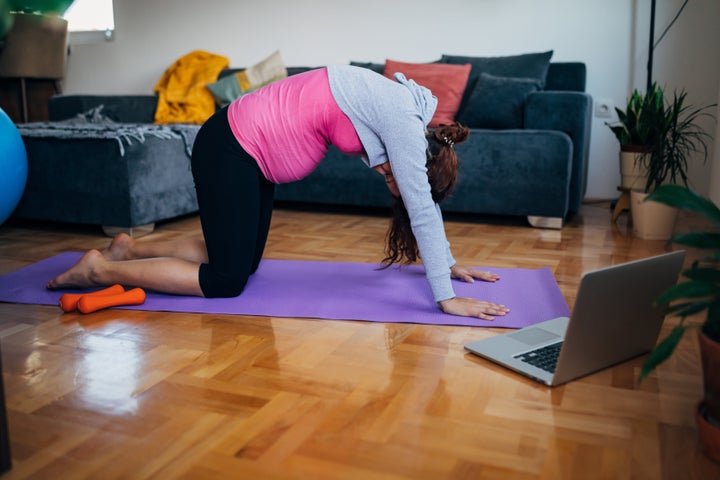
[447, 82]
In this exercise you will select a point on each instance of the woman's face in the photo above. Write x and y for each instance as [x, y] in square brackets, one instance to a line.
[386, 172]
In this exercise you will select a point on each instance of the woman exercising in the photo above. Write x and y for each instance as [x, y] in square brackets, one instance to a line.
[279, 134]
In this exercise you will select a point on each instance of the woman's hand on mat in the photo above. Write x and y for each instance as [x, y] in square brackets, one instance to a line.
[467, 274]
[470, 307]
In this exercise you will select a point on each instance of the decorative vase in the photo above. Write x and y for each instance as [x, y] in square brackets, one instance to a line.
[633, 175]
[708, 413]
[651, 220]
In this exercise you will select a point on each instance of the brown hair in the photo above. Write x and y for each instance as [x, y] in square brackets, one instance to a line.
[442, 170]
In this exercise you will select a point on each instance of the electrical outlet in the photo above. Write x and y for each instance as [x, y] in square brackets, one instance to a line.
[604, 108]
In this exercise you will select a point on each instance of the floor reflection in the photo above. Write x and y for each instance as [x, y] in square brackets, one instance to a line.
[108, 373]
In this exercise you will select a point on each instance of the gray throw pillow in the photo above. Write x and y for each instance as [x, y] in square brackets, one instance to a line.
[528, 65]
[497, 102]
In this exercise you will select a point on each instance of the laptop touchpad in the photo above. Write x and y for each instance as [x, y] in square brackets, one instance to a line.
[533, 336]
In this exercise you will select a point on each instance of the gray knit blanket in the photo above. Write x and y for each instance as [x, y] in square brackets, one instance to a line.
[93, 124]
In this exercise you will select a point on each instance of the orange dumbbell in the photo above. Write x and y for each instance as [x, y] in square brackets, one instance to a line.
[69, 301]
[93, 303]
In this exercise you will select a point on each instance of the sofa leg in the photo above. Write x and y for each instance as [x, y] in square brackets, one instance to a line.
[546, 222]
[135, 232]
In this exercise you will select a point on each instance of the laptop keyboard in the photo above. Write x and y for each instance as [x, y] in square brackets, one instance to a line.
[544, 357]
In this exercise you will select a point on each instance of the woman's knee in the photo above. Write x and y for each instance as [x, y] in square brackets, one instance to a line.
[217, 285]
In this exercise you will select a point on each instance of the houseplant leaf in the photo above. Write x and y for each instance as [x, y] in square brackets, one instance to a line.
[699, 240]
[689, 308]
[691, 289]
[705, 274]
[684, 198]
[702, 290]
[662, 351]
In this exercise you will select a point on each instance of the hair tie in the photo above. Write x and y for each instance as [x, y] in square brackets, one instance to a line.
[448, 141]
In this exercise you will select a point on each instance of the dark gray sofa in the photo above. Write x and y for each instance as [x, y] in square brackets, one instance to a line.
[538, 171]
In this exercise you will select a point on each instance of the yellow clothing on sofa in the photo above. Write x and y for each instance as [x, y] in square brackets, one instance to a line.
[182, 93]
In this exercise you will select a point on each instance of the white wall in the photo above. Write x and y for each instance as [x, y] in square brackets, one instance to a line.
[607, 35]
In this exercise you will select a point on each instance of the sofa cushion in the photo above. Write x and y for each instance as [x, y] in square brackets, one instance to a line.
[566, 76]
[497, 102]
[233, 86]
[527, 65]
[446, 82]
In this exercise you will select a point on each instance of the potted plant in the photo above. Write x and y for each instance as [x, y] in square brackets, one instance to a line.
[671, 135]
[699, 295]
[637, 130]
[680, 137]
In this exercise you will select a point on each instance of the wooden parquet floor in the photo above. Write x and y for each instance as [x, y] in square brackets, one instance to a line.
[135, 395]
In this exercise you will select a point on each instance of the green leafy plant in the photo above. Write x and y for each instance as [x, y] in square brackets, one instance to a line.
[639, 124]
[701, 291]
[680, 137]
[667, 133]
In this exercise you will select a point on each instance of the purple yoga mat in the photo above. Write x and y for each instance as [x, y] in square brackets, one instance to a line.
[330, 290]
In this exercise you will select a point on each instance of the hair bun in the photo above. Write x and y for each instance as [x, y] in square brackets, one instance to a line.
[450, 134]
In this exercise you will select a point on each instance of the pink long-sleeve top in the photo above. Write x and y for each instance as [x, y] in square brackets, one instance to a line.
[287, 126]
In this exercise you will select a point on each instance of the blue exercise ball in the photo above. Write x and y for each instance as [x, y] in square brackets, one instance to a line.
[13, 166]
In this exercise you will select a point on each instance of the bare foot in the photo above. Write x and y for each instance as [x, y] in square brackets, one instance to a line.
[80, 275]
[119, 248]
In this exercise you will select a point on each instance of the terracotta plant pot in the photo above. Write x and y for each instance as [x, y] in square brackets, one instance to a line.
[708, 414]
[708, 434]
[651, 220]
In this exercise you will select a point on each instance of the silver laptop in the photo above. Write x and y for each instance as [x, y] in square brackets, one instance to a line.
[614, 319]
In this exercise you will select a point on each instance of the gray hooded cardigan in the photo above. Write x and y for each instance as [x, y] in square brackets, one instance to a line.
[391, 119]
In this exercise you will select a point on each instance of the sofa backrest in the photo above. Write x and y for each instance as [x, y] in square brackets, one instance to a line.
[120, 108]
[566, 76]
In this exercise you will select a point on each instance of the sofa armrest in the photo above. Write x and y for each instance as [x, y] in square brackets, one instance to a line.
[120, 108]
[513, 172]
[569, 112]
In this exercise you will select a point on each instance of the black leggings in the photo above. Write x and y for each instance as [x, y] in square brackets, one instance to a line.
[235, 202]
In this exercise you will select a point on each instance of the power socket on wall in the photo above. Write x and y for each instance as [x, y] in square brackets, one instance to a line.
[604, 108]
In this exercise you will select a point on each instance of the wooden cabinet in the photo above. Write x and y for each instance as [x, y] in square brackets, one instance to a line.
[32, 62]
[26, 99]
